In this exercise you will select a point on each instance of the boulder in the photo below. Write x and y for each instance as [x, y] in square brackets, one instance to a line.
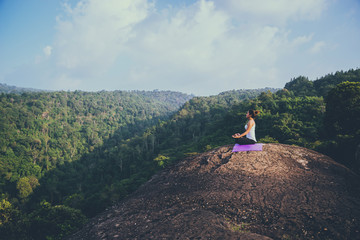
[282, 192]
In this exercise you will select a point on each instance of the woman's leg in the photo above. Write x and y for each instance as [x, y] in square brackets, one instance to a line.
[244, 141]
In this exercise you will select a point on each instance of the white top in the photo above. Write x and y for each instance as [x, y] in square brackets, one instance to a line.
[251, 134]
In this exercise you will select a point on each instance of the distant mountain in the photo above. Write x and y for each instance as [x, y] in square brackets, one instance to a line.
[4, 88]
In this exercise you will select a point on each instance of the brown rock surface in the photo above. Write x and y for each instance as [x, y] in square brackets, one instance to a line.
[282, 192]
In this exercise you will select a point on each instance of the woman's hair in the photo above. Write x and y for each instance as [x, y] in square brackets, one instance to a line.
[253, 113]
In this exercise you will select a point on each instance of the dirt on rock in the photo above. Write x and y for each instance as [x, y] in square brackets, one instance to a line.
[282, 192]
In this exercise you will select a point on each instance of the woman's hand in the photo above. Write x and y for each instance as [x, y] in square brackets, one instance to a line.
[236, 135]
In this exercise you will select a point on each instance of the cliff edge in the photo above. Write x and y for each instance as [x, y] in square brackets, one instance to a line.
[282, 192]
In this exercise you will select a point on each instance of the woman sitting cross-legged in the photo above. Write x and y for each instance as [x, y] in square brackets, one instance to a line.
[247, 137]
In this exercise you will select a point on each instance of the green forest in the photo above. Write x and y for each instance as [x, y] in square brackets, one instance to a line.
[67, 156]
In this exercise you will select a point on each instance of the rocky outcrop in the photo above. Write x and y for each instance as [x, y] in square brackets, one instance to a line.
[282, 192]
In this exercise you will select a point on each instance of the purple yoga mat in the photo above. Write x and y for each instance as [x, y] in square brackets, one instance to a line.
[250, 147]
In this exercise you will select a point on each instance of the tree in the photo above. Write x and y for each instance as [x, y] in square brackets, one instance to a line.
[54, 222]
[343, 109]
[342, 123]
[301, 86]
[5, 211]
[24, 187]
[161, 159]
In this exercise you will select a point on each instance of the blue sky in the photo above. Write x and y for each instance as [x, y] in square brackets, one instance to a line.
[194, 46]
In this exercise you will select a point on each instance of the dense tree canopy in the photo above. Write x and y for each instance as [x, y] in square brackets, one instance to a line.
[342, 123]
[301, 86]
[44, 131]
[66, 156]
[343, 109]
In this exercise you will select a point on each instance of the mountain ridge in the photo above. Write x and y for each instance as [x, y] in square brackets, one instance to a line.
[4, 88]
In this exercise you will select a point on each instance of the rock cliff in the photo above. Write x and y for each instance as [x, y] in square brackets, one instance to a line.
[282, 192]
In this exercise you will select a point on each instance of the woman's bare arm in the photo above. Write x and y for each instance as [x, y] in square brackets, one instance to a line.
[250, 125]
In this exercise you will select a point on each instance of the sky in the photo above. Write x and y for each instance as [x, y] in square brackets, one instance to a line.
[200, 47]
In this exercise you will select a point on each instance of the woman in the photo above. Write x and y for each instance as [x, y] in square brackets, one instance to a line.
[249, 130]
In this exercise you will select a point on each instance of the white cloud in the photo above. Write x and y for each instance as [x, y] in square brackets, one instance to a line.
[47, 50]
[93, 33]
[301, 40]
[191, 37]
[317, 47]
[205, 47]
[272, 12]
[199, 46]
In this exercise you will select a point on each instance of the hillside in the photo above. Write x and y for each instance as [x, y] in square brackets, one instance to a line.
[302, 86]
[40, 131]
[82, 152]
[67, 156]
[282, 192]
